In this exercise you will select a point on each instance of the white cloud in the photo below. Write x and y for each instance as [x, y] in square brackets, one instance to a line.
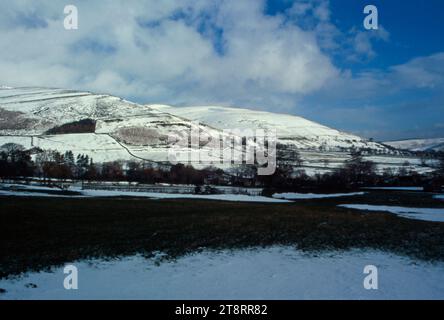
[158, 51]
[422, 72]
[322, 11]
[362, 42]
[355, 45]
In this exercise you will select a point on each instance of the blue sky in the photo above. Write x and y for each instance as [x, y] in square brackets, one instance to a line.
[415, 26]
[308, 58]
[415, 29]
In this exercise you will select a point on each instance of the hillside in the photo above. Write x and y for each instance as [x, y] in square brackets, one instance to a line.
[115, 129]
[294, 130]
[436, 144]
[108, 128]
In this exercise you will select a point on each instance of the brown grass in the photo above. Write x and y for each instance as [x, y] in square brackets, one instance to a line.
[36, 233]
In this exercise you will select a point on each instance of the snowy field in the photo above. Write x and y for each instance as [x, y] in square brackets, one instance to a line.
[301, 196]
[155, 195]
[271, 273]
[396, 188]
[426, 214]
[109, 193]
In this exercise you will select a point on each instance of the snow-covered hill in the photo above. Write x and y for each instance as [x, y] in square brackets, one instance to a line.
[436, 144]
[33, 111]
[297, 131]
[121, 130]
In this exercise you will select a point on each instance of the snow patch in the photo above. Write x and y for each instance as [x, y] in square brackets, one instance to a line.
[425, 214]
[222, 197]
[257, 273]
[299, 196]
[153, 195]
[28, 187]
[36, 194]
[396, 188]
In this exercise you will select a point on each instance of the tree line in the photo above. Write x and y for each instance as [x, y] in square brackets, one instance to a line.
[16, 161]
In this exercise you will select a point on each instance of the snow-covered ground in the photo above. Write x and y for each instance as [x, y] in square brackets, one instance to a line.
[35, 194]
[396, 188]
[101, 147]
[109, 193]
[325, 161]
[426, 214]
[222, 197]
[261, 273]
[299, 196]
[27, 187]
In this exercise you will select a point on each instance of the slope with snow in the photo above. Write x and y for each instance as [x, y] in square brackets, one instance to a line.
[436, 144]
[123, 130]
[129, 131]
[302, 133]
[322, 149]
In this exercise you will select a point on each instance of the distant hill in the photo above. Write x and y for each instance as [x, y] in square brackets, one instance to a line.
[435, 144]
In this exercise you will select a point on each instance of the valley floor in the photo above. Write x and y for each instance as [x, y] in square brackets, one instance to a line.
[306, 248]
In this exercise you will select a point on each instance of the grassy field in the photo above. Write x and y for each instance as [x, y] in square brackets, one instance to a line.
[36, 233]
